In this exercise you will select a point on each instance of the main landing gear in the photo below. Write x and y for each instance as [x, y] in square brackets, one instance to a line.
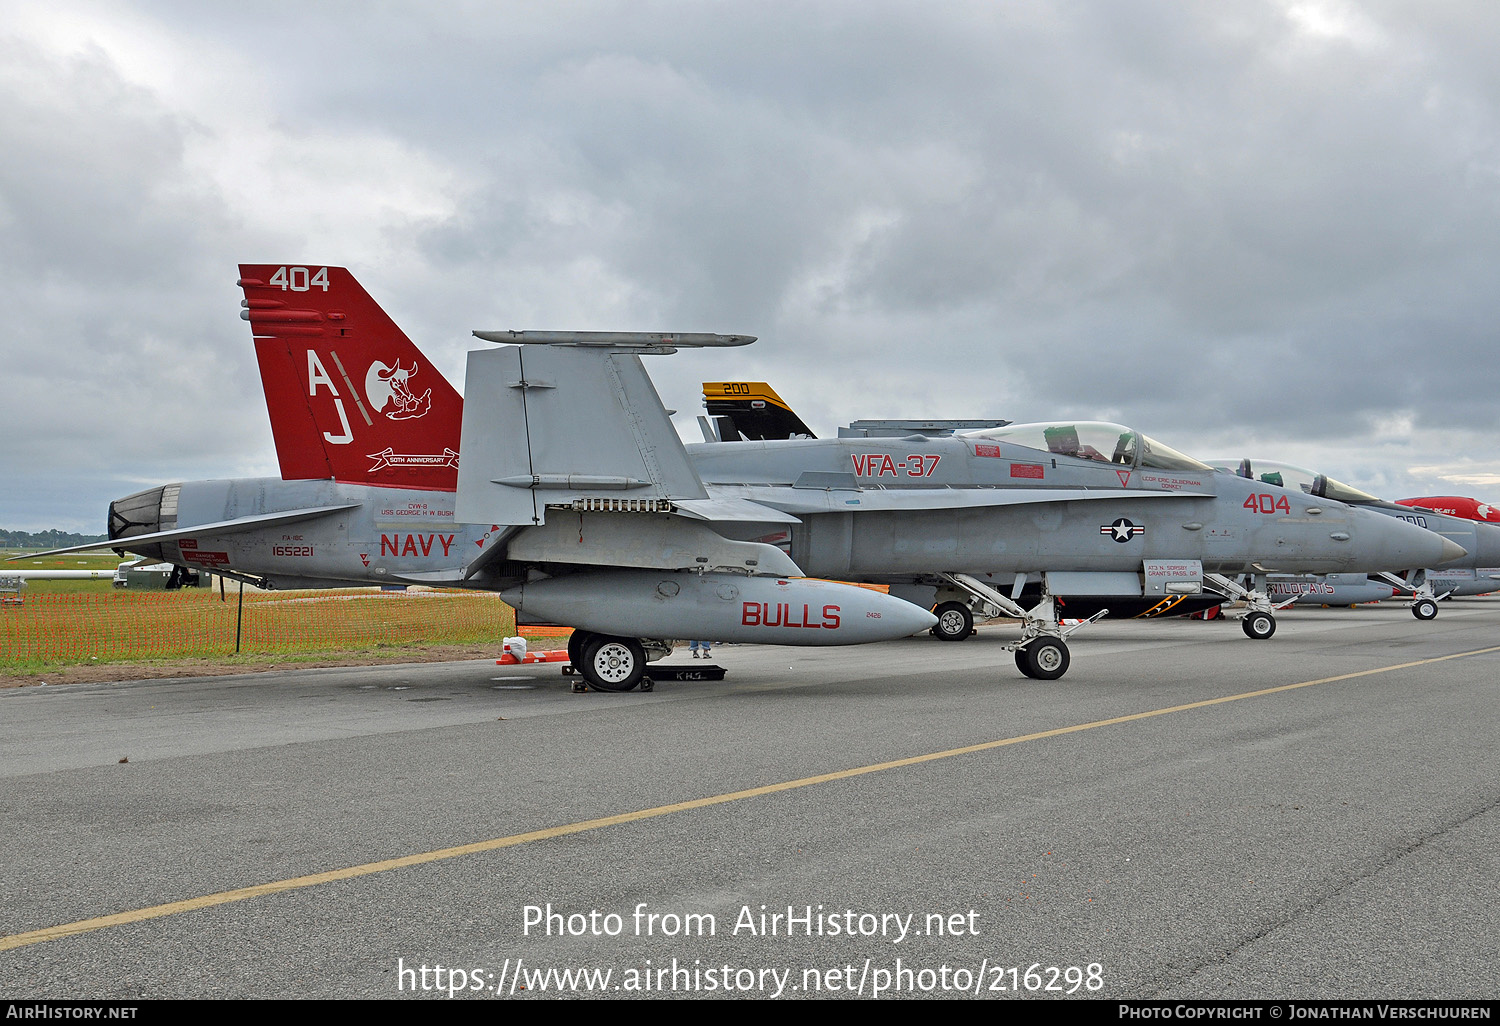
[955, 622]
[609, 663]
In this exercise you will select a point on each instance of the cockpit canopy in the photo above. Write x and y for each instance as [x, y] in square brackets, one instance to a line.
[1284, 475]
[1092, 440]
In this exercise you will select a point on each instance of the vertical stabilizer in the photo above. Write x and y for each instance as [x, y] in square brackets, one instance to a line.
[754, 411]
[350, 396]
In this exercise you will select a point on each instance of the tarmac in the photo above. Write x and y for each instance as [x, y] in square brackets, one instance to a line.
[1187, 814]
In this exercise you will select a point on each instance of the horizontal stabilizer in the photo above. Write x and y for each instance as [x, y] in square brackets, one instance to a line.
[221, 527]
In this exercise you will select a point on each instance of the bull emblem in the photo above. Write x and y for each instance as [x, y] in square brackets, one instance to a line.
[389, 391]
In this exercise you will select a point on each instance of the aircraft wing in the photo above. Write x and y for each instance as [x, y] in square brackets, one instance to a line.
[291, 516]
[801, 501]
[573, 420]
[566, 440]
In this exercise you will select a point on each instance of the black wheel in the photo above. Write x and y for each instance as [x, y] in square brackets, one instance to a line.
[1259, 626]
[613, 664]
[1424, 609]
[955, 622]
[578, 643]
[1023, 663]
[1046, 659]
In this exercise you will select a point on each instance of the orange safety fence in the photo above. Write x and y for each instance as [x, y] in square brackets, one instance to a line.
[77, 627]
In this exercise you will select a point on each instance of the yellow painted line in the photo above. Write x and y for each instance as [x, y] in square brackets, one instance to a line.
[21, 940]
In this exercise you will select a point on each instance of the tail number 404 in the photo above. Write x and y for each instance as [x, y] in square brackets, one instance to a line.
[1267, 503]
[300, 279]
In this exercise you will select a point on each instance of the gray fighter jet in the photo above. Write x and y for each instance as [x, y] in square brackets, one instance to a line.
[732, 404]
[1087, 508]
[367, 436]
[1477, 572]
[576, 500]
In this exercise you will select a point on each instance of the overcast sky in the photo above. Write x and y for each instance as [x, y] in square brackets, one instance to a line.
[1262, 228]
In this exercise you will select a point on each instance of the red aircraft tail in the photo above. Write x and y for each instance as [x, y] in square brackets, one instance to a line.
[350, 396]
[1456, 506]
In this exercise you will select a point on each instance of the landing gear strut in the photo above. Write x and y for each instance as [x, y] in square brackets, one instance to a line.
[1424, 601]
[1259, 620]
[1041, 654]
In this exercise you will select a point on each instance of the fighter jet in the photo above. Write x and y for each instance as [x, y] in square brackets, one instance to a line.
[367, 437]
[589, 511]
[1476, 572]
[570, 461]
[731, 404]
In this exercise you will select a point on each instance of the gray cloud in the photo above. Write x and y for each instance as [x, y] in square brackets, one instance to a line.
[1271, 225]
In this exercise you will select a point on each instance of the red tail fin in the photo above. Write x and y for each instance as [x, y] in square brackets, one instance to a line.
[350, 396]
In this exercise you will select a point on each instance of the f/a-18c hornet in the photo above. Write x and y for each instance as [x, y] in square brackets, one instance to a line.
[752, 411]
[367, 435]
[1474, 573]
[587, 510]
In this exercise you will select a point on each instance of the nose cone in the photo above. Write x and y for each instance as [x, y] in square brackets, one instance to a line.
[1393, 544]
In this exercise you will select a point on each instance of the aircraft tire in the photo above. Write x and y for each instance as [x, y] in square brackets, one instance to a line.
[613, 664]
[1424, 609]
[955, 622]
[578, 643]
[1046, 659]
[1258, 626]
[1022, 662]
